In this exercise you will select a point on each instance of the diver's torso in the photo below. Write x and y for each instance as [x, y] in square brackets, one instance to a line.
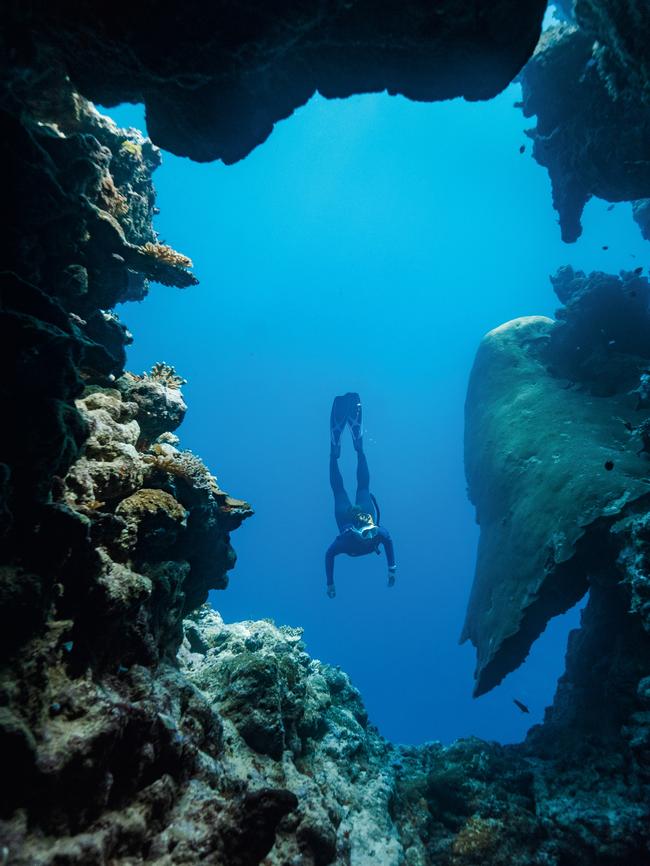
[354, 545]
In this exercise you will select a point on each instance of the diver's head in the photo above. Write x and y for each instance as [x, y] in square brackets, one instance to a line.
[363, 523]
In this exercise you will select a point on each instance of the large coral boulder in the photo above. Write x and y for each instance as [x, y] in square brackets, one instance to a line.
[549, 467]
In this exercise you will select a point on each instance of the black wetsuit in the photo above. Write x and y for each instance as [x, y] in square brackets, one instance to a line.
[348, 541]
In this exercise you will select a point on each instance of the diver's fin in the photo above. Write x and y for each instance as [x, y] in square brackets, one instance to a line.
[355, 419]
[338, 420]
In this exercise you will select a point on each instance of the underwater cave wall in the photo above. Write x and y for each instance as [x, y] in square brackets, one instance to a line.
[240, 749]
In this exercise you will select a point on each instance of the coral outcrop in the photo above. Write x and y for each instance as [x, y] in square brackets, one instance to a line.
[555, 455]
[215, 78]
[93, 708]
[592, 139]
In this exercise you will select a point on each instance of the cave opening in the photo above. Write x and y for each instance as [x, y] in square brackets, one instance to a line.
[368, 245]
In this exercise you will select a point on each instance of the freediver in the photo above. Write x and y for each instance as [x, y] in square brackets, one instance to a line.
[359, 529]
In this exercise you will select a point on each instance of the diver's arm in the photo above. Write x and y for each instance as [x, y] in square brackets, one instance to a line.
[387, 541]
[332, 550]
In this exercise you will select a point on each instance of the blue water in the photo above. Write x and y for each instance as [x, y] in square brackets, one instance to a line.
[368, 245]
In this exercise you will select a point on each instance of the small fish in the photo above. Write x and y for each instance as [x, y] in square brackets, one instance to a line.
[521, 706]
[522, 149]
[638, 270]
[605, 247]
[611, 207]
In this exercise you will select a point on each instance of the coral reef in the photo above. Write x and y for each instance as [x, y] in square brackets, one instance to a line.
[94, 707]
[215, 79]
[241, 749]
[135, 725]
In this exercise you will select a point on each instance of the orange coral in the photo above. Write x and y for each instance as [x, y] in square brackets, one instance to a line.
[113, 200]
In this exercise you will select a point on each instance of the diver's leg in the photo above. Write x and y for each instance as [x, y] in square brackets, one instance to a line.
[342, 502]
[338, 420]
[363, 499]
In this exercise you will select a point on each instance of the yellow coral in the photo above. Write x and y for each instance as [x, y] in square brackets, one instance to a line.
[132, 148]
[478, 838]
[186, 466]
[166, 254]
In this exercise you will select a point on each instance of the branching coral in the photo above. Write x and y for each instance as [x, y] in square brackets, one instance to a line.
[166, 254]
[166, 375]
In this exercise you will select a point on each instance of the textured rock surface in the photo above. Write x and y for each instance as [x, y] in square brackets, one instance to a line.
[593, 140]
[215, 78]
[105, 738]
[81, 241]
[552, 454]
[621, 29]
[243, 750]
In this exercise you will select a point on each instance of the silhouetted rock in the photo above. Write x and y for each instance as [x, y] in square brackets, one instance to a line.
[215, 78]
[591, 140]
[621, 32]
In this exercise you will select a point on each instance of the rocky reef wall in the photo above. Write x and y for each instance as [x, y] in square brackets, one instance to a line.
[135, 726]
[110, 534]
[587, 85]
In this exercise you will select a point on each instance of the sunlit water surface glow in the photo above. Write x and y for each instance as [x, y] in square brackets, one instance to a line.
[367, 245]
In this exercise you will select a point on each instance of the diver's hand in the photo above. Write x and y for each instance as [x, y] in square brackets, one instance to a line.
[331, 591]
[391, 577]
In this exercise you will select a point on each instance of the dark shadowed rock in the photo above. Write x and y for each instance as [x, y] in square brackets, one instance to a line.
[602, 337]
[621, 31]
[215, 78]
[592, 142]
